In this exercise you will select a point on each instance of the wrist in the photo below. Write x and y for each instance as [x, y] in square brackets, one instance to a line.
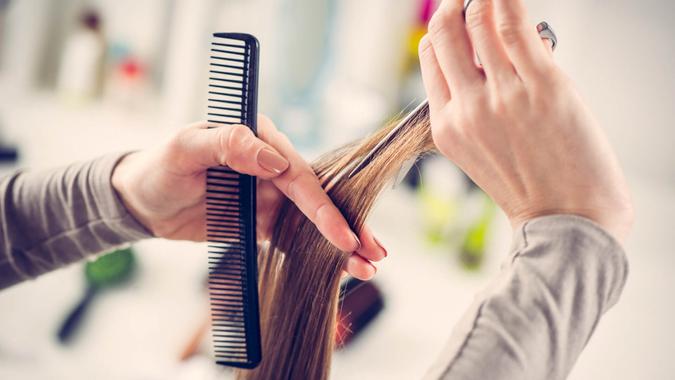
[123, 184]
[616, 223]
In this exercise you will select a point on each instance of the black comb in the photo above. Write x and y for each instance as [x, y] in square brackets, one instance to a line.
[231, 207]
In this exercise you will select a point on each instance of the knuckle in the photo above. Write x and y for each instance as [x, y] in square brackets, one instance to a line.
[239, 136]
[266, 126]
[544, 91]
[545, 76]
[511, 31]
[235, 144]
[177, 143]
[425, 46]
[316, 212]
[441, 19]
[444, 138]
[437, 22]
[283, 138]
[508, 97]
[293, 184]
[478, 15]
[502, 105]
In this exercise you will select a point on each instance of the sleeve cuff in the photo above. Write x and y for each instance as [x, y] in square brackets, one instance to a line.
[587, 245]
[112, 209]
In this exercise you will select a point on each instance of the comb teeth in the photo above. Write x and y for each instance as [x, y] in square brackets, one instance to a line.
[230, 208]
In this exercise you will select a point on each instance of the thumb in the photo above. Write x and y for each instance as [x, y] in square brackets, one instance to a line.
[204, 145]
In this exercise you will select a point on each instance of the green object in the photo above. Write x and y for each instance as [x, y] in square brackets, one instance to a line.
[475, 240]
[110, 269]
[106, 271]
[439, 211]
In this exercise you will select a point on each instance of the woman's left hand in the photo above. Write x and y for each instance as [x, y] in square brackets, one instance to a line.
[164, 188]
[516, 125]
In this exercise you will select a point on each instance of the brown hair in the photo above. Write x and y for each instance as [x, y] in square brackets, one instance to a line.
[300, 271]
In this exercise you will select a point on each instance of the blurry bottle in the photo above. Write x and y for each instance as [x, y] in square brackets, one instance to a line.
[304, 37]
[186, 61]
[362, 81]
[440, 192]
[456, 214]
[24, 37]
[128, 77]
[481, 211]
[80, 72]
[3, 6]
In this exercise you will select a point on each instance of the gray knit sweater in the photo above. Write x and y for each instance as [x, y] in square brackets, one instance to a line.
[531, 322]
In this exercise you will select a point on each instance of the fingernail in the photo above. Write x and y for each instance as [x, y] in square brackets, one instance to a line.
[374, 269]
[272, 161]
[381, 246]
[466, 6]
[358, 242]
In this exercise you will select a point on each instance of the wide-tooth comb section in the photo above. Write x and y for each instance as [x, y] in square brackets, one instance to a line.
[230, 208]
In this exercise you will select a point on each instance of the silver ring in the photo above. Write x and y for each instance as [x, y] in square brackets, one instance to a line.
[546, 32]
[544, 29]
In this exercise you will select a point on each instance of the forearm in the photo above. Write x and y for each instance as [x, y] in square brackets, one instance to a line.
[537, 316]
[50, 219]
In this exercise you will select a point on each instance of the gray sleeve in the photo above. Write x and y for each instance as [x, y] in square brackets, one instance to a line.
[536, 317]
[53, 218]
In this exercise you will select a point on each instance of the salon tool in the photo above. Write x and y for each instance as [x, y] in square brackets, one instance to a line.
[105, 272]
[360, 303]
[422, 110]
[193, 344]
[8, 154]
[231, 207]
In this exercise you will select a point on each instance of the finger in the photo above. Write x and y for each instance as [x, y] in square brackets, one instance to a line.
[480, 24]
[360, 268]
[452, 46]
[371, 249]
[434, 82]
[548, 44]
[268, 200]
[300, 185]
[234, 146]
[521, 41]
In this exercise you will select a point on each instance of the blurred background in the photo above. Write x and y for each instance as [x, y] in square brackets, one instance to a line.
[82, 78]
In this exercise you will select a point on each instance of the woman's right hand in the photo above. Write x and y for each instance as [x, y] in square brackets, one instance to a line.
[164, 188]
[517, 126]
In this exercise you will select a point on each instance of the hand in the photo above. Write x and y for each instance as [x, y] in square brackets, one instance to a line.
[516, 126]
[164, 188]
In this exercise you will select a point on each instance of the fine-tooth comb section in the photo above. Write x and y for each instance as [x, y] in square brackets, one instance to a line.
[230, 207]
